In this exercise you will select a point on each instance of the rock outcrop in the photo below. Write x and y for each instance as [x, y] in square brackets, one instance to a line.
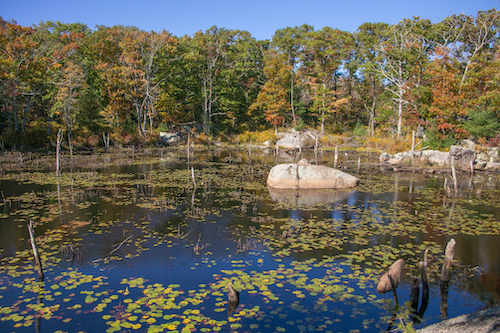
[432, 157]
[435, 157]
[463, 157]
[303, 175]
[169, 138]
[484, 321]
[295, 139]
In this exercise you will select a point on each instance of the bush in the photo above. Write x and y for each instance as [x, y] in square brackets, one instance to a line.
[359, 130]
[436, 140]
[256, 137]
[300, 125]
[483, 124]
[387, 144]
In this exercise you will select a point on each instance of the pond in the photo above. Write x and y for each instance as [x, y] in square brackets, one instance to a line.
[137, 246]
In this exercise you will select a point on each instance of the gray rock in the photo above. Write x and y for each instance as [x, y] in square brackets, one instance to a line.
[170, 138]
[463, 157]
[295, 139]
[384, 157]
[436, 157]
[468, 144]
[488, 155]
[485, 321]
[492, 166]
[402, 157]
[480, 165]
[303, 175]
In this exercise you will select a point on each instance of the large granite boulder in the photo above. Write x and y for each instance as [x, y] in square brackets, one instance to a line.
[436, 157]
[295, 139]
[463, 157]
[492, 166]
[303, 175]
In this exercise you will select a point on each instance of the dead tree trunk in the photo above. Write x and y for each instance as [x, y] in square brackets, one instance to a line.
[445, 277]
[448, 257]
[58, 151]
[35, 251]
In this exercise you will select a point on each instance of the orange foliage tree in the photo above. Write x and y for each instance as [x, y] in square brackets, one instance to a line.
[273, 96]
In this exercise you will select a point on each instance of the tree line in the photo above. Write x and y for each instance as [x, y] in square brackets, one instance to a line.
[381, 80]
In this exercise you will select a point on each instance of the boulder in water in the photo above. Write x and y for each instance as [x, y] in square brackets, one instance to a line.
[303, 175]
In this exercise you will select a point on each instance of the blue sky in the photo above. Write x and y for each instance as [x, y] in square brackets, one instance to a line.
[260, 17]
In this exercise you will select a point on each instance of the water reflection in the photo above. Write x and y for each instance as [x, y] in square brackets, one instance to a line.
[199, 235]
[308, 198]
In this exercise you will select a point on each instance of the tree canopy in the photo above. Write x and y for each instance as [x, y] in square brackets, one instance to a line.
[133, 84]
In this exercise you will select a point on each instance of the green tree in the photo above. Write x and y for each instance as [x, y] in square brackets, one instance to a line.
[210, 52]
[272, 99]
[67, 100]
[368, 36]
[403, 53]
[324, 55]
[289, 41]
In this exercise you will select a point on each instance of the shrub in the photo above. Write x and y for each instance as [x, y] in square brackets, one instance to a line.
[483, 124]
[436, 140]
[359, 130]
[256, 137]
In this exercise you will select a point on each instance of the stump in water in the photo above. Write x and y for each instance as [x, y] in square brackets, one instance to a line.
[448, 257]
[391, 279]
[233, 298]
[395, 271]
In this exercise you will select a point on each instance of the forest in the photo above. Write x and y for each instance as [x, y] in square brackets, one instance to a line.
[123, 86]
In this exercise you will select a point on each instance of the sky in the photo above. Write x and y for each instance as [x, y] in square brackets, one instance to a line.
[259, 17]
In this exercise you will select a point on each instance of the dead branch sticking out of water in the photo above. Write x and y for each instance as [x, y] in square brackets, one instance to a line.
[114, 250]
[120, 245]
[197, 248]
[445, 277]
[71, 251]
[181, 235]
[414, 296]
[35, 251]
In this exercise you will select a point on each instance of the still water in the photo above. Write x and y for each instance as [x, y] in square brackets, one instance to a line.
[136, 246]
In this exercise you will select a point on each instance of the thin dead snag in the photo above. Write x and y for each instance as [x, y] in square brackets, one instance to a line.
[58, 151]
[35, 251]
